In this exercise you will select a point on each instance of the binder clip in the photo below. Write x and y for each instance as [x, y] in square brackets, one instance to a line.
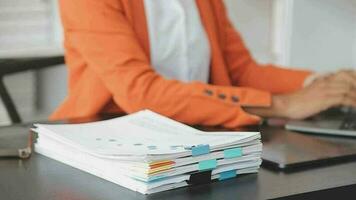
[200, 178]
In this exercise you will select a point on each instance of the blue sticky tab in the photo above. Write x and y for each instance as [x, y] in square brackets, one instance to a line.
[207, 165]
[200, 150]
[227, 175]
[233, 153]
[156, 178]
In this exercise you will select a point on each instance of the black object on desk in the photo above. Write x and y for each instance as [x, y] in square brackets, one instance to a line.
[289, 151]
[16, 65]
[17, 145]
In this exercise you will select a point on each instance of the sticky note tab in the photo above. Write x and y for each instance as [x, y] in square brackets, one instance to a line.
[227, 175]
[233, 153]
[200, 150]
[156, 178]
[207, 164]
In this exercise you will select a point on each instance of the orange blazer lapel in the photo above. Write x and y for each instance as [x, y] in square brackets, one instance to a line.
[140, 23]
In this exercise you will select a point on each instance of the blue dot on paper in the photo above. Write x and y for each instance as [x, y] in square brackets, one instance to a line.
[151, 147]
[175, 147]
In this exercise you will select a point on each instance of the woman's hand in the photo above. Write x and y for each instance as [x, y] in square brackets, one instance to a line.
[338, 89]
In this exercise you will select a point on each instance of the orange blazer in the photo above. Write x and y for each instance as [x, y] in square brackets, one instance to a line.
[107, 54]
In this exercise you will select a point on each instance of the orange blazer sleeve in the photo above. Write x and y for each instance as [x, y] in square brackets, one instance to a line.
[100, 32]
[244, 70]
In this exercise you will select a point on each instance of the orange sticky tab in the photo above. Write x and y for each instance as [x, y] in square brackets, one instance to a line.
[160, 163]
[159, 170]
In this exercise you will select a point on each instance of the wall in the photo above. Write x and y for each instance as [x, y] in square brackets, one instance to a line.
[323, 34]
[253, 19]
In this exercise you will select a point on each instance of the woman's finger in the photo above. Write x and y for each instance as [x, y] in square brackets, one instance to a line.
[344, 76]
[341, 101]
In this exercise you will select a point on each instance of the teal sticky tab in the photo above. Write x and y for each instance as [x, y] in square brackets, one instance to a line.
[207, 165]
[233, 153]
[227, 175]
[156, 178]
[200, 150]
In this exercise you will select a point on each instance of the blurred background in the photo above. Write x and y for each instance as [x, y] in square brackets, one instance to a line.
[315, 34]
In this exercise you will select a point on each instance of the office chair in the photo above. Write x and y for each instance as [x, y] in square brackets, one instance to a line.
[16, 65]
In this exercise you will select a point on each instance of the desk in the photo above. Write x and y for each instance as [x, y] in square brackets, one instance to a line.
[42, 178]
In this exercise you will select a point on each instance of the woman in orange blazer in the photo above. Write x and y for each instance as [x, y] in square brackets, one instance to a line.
[107, 54]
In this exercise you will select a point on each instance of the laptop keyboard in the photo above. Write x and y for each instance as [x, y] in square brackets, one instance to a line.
[349, 122]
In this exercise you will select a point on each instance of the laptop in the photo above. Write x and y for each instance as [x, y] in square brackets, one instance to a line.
[285, 150]
[295, 148]
[337, 121]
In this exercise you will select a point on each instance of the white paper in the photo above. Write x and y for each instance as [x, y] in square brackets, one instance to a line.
[120, 150]
[142, 133]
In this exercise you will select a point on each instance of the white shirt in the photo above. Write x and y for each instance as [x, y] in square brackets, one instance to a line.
[179, 47]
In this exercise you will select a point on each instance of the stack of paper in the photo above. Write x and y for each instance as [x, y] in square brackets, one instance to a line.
[149, 153]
